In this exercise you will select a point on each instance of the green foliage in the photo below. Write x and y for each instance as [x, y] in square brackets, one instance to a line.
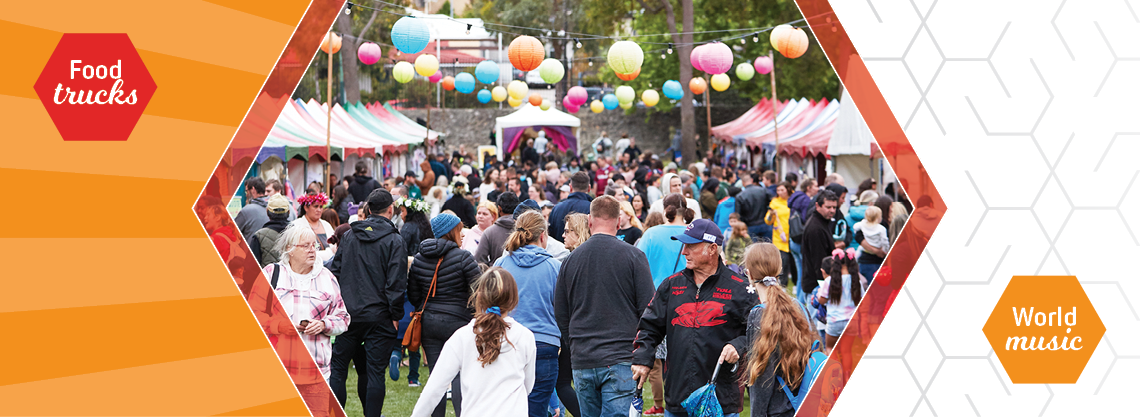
[445, 9]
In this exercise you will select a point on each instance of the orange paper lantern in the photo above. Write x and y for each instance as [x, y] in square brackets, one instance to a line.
[331, 40]
[791, 42]
[448, 83]
[628, 77]
[526, 53]
[697, 85]
[535, 99]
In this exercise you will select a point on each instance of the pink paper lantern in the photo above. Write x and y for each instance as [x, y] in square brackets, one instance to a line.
[573, 109]
[577, 96]
[716, 58]
[695, 57]
[567, 102]
[368, 53]
[434, 78]
[763, 65]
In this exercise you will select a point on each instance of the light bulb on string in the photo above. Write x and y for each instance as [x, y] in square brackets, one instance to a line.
[662, 56]
[577, 43]
[348, 9]
[468, 28]
[756, 37]
[670, 50]
[591, 62]
[742, 41]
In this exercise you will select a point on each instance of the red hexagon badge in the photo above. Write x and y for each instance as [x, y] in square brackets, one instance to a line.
[1044, 329]
[95, 87]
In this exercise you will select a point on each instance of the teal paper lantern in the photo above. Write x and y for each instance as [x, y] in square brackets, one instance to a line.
[410, 35]
[484, 96]
[673, 90]
[465, 83]
[610, 101]
[487, 72]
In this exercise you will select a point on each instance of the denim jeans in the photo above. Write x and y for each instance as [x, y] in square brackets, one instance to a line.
[545, 377]
[414, 360]
[760, 233]
[798, 257]
[869, 270]
[668, 414]
[605, 391]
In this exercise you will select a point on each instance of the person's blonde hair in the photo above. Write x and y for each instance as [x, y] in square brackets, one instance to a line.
[784, 325]
[627, 208]
[654, 218]
[873, 215]
[529, 227]
[579, 224]
[491, 207]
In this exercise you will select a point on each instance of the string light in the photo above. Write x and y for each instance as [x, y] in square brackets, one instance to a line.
[577, 43]
[670, 49]
[348, 10]
[468, 28]
[756, 37]
[662, 56]
[742, 41]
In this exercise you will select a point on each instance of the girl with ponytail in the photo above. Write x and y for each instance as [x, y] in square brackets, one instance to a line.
[780, 334]
[495, 353]
[841, 291]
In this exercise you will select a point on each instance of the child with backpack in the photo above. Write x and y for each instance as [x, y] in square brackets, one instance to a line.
[784, 355]
[844, 287]
[494, 355]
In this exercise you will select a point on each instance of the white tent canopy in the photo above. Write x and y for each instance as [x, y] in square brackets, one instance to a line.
[528, 115]
[851, 135]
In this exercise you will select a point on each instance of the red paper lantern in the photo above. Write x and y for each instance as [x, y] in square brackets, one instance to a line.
[628, 77]
[526, 53]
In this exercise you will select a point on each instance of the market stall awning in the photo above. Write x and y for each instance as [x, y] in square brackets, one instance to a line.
[557, 125]
[851, 136]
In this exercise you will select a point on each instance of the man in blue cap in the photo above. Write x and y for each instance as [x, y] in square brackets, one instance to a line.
[703, 311]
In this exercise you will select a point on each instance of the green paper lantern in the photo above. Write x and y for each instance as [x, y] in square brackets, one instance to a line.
[625, 57]
[403, 72]
[745, 72]
[625, 94]
[551, 71]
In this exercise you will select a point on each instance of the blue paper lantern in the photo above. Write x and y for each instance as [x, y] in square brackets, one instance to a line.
[487, 72]
[610, 101]
[672, 89]
[410, 35]
[484, 96]
[465, 83]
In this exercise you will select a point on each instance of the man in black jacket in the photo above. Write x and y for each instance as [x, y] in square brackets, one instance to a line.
[577, 202]
[371, 266]
[817, 240]
[362, 185]
[752, 205]
[703, 311]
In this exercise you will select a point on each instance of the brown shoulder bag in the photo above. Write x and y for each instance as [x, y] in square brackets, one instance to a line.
[416, 326]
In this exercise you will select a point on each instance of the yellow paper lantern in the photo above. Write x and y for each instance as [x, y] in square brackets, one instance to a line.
[517, 90]
[720, 82]
[789, 41]
[625, 94]
[498, 94]
[332, 39]
[514, 102]
[426, 65]
[625, 57]
[596, 106]
[545, 105]
[650, 98]
[403, 72]
[626, 105]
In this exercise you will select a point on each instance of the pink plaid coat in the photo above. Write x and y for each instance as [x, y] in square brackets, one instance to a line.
[315, 296]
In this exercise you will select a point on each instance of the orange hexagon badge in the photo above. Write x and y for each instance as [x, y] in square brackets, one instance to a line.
[1044, 329]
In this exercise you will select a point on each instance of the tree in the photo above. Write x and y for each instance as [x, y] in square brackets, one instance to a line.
[350, 40]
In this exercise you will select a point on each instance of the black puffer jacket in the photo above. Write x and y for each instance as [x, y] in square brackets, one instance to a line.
[457, 273]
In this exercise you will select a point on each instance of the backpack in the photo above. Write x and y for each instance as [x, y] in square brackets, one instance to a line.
[815, 363]
[795, 227]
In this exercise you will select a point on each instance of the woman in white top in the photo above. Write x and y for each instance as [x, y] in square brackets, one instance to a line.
[494, 355]
[670, 184]
[309, 214]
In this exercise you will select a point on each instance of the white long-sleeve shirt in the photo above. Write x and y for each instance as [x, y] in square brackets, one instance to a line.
[498, 389]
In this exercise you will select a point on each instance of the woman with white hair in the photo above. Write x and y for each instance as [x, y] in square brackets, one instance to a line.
[310, 295]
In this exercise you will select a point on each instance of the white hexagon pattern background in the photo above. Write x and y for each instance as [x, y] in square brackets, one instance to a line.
[1026, 114]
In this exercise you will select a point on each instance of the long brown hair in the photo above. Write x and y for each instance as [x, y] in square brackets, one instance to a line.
[675, 204]
[783, 326]
[495, 288]
[841, 259]
[529, 228]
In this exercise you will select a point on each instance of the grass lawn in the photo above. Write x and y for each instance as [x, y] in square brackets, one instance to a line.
[401, 399]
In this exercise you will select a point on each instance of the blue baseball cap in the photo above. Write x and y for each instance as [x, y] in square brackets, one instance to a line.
[701, 230]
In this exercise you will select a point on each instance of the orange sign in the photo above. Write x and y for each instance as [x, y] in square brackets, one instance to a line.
[1044, 329]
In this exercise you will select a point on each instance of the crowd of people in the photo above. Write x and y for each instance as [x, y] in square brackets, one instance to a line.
[548, 286]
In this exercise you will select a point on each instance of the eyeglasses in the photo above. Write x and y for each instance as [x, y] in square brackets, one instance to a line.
[308, 247]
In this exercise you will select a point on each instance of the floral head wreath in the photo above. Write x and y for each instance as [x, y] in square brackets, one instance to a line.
[460, 186]
[318, 199]
[411, 204]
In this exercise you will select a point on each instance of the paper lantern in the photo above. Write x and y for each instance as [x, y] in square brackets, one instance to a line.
[695, 57]
[426, 65]
[435, 78]
[789, 41]
[498, 94]
[368, 53]
[625, 57]
[573, 109]
[332, 38]
[597, 106]
[650, 98]
[716, 58]
[626, 106]
[448, 83]
[720, 82]
[484, 96]
[517, 90]
[403, 72]
[535, 99]
[410, 35]
[526, 53]
[697, 86]
[551, 71]
[763, 65]
[513, 102]
[672, 90]
[577, 95]
[628, 77]
[744, 71]
[567, 102]
[625, 94]
[465, 83]
[610, 101]
[545, 105]
[487, 72]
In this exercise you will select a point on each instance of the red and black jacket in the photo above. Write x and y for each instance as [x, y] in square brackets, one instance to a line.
[698, 322]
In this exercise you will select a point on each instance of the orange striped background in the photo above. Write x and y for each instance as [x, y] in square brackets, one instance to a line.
[118, 303]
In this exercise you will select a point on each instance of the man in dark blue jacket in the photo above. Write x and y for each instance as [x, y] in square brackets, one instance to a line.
[577, 202]
[371, 266]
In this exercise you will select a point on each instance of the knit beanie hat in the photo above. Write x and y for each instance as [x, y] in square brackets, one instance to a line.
[443, 224]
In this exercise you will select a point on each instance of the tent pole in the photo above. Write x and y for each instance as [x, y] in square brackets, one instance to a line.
[775, 131]
[708, 117]
[328, 138]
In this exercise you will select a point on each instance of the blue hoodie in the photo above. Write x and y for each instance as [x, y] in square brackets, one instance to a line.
[535, 273]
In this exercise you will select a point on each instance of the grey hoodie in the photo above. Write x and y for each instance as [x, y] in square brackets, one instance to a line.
[252, 217]
[493, 240]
